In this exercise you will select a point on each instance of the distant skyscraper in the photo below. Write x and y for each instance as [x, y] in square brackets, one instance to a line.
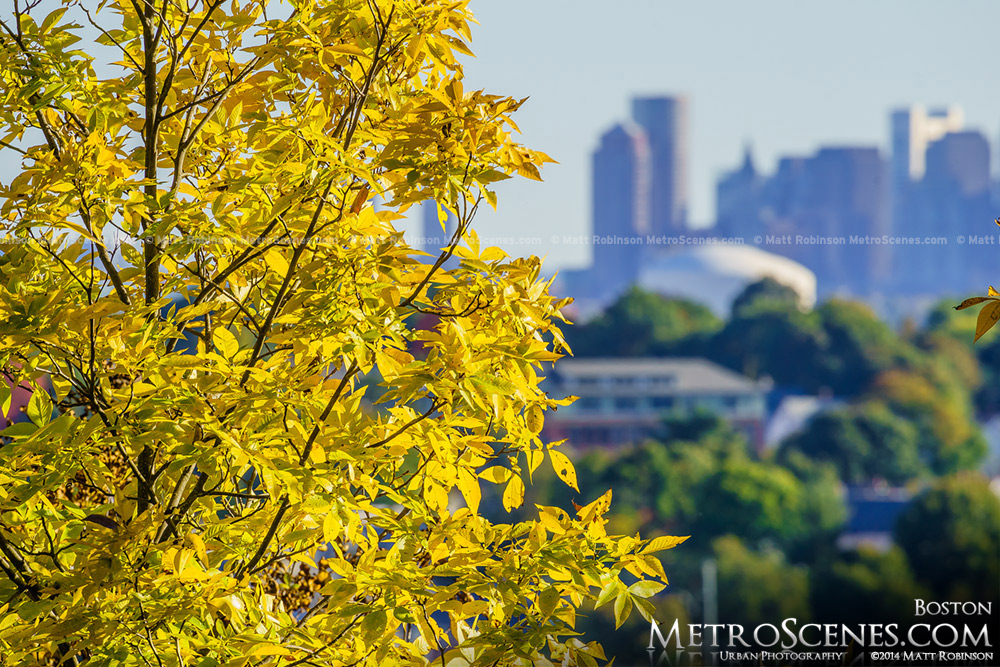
[846, 194]
[961, 161]
[738, 201]
[913, 130]
[839, 193]
[665, 120]
[952, 200]
[621, 204]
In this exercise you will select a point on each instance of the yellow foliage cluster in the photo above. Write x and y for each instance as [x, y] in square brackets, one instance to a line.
[251, 371]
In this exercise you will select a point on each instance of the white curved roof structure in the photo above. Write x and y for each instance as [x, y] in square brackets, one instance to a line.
[716, 274]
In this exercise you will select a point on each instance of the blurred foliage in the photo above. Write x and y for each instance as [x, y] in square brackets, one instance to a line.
[766, 294]
[907, 414]
[951, 536]
[864, 442]
[756, 587]
[864, 586]
[945, 321]
[942, 413]
[641, 323]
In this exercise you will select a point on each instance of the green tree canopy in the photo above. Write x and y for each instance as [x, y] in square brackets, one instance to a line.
[951, 536]
[864, 586]
[641, 323]
[765, 294]
[864, 442]
[948, 437]
[756, 587]
[753, 500]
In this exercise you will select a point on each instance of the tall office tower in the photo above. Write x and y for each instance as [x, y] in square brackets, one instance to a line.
[665, 120]
[913, 129]
[621, 206]
[952, 200]
[845, 194]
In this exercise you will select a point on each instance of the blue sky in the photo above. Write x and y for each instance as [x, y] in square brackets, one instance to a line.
[787, 76]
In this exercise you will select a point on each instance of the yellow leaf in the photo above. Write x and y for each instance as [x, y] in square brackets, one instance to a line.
[492, 254]
[534, 418]
[263, 649]
[623, 607]
[547, 600]
[611, 589]
[346, 49]
[549, 518]
[646, 588]
[276, 260]
[988, 316]
[496, 474]
[535, 458]
[331, 526]
[513, 495]
[993, 292]
[226, 342]
[199, 546]
[435, 494]
[564, 468]
[594, 509]
[663, 543]
[468, 484]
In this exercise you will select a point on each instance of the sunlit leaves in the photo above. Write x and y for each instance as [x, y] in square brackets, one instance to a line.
[257, 426]
[564, 468]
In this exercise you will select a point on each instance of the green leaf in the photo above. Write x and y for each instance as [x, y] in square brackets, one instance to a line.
[374, 624]
[610, 590]
[39, 407]
[547, 600]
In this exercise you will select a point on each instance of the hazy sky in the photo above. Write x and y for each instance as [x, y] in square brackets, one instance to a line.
[788, 76]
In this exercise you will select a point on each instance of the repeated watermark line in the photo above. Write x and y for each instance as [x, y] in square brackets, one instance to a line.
[774, 242]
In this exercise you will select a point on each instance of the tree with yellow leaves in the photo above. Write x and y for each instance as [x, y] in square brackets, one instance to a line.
[194, 260]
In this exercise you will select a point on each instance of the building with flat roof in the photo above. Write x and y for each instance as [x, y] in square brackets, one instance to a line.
[624, 400]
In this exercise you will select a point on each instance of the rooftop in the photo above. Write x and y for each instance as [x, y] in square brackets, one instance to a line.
[684, 375]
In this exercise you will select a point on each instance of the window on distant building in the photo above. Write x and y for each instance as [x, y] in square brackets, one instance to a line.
[589, 404]
[662, 402]
[626, 403]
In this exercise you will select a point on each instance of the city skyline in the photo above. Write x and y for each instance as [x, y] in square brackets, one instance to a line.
[764, 75]
[882, 225]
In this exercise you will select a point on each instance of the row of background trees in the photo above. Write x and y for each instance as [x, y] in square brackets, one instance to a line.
[907, 416]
